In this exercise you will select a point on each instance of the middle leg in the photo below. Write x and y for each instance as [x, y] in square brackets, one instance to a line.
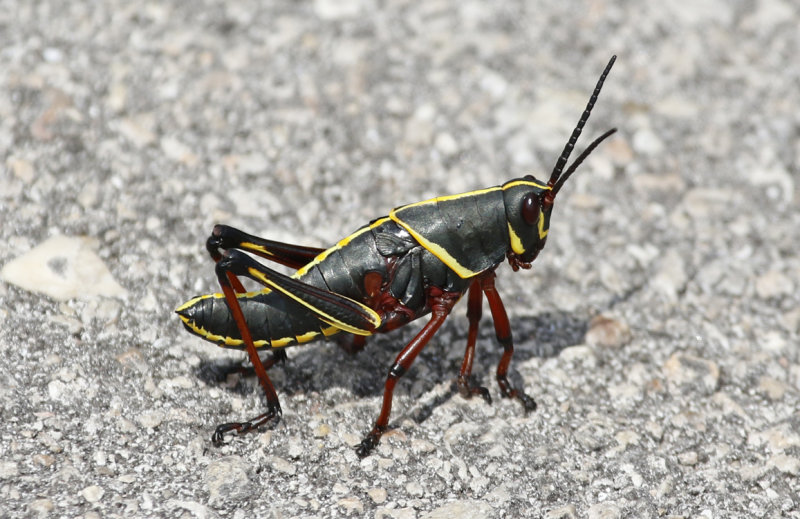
[441, 304]
[474, 303]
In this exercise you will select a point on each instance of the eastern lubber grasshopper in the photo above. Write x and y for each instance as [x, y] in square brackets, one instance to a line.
[419, 259]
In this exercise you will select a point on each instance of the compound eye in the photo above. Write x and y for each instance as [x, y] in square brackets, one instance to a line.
[530, 209]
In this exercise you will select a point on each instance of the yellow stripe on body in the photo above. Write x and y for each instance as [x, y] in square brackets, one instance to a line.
[434, 248]
[515, 183]
[306, 337]
[446, 198]
[330, 330]
[231, 341]
[256, 248]
[476, 192]
[516, 243]
[341, 243]
[192, 301]
[227, 341]
[542, 232]
[374, 318]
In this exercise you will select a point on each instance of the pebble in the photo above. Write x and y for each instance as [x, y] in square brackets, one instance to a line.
[563, 512]
[378, 495]
[178, 151]
[591, 437]
[670, 276]
[495, 84]
[197, 509]
[395, 513]
[460, 509]
[413, 488]
[337, 9]
[689, 458]
[773, 284]
[138, 130]
[8, 470]
[702, 204]
[132, 359]
[22, 169]
[768, 14]
[607, 332]
[117, 96]
[63, 267]
[43, 460]
[351, 504]
[446, 144]
[41, 506]
[646, 142]
[57, 390]
[73, 325]
[150, 419]
[93, 493]
[227, 479]
[282, 465]
[422, 446]
[253, 163]
[785, 463]
[686, 372]
[322, 430]
[677, 107]
[625, 438]
[774, 389]
[53, 54]
[604, 511]
[791, 320]
[659, 183]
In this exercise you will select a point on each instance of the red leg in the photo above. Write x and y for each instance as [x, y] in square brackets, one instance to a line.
[273, 413]
[503, 330]
[474, 303]
[441, 304]
[235, 283]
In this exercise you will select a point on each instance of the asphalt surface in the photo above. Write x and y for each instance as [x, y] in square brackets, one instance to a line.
[658, 330]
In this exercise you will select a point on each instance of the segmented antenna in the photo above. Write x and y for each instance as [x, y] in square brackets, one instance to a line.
[562, 160]
[579, 160]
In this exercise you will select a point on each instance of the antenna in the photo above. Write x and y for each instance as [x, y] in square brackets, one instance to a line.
[579, 160]
[562, 160]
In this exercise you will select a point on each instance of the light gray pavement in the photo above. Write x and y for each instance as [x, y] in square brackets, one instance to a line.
[658, 330]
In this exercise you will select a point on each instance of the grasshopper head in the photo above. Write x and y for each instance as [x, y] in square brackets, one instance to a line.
[529, 202]
[528, 219]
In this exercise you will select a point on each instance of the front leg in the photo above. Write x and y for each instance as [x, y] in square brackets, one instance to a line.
[502, 328]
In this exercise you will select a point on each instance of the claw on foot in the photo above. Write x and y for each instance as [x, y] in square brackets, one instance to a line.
[272, 417]
[370, 442]
[468, 391]
[527, 402]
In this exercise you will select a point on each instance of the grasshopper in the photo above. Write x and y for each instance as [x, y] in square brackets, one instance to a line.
[419, 259]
